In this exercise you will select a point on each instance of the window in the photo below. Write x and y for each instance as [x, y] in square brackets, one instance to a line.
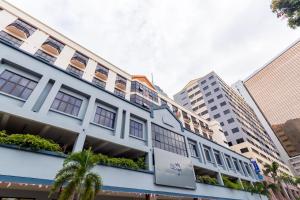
[16, 85]
[144, 90]
[228, 161]
[53, 46]
[218, 157]
[45, 56]
[74, 71]
[203, 82]
[226, 111]
[119, 93]
[211, 77]
[204, 112]
[23, 26]
[213, 108]
[225, 133]
[101, 69]
[98, 83]
[66, 103]
[217, 116]
[213, 83]
[168, 140]
[235, 130]
[222, 123]
[105, 117]
[193, 148]
[10, 39]
[211, 100]
[229, 143]
[79, 59]
[216, 89]
[201, 105]
[231, 120]
[248, 169]
[205, 88]
[136, 129]
[208, 94]
[223, 103]
[240, 140]
[235, 162]
[121, 81]
[207, 154]
[163, 102]
[219, 96]
[244, 150]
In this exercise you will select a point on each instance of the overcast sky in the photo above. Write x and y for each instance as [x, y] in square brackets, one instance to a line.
[176, 40]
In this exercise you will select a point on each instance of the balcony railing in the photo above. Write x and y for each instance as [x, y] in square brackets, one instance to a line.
[187, 119]
[18, 30]
[102, 74]
[51, 47]
[121, 84]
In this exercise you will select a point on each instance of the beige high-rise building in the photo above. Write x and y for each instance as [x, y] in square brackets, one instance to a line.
[276, 90]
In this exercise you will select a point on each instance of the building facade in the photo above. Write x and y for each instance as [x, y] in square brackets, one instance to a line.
[273, 92]
[54, 88]
[211, 98]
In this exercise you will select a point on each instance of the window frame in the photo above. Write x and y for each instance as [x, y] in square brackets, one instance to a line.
[111, 111]
[132, 119]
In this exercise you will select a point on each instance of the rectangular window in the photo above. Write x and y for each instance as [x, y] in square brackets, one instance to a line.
[218, 157]
[211, 77]
[98, 83]
[204, 112]
[193, 148]
[207, 153]
[74, 71]
[237, 167]
[219, 96]
[226, 111]
[208, 94]
[244, 150]
[211, 100]
[231, 120]
[136, 129]
[217, 116]
[235, 130]
[10, 39]
[240, 140]
[213, 108]
[216, 89]
[66, 103]
[119, 93]
[228, 161]
[213, 83]
[168, 140]
[44, 56]
[223, 103]
[203, 82]
[205, 88]
[225, 133]
[105, 117]
[16, 85]
[102, 69]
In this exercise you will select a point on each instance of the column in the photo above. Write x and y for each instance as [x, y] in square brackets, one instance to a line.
[78, 146]
[219, 178]
[51, 96]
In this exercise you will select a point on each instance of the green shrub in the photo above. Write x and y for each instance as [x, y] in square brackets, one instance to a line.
[231, 184]
[122, 162]
[141, 163]
[34, 142]
[207, 180]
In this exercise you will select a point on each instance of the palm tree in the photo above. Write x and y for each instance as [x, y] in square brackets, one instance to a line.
[272, 170]
[76, 178]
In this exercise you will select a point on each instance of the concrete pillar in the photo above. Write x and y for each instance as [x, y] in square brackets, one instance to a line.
[36, 93]
[240, 181]
[51, 96]
[89, 70]
[127, 125]
[89, 113]
[78, 146]
[219, 178]
[119, 121]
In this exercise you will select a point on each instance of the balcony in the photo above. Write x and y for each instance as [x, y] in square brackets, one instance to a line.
[186, 119]
[101, 74]
[121, 84]
[18, 30]
[79, 60]
[196, 124]
[51, 48]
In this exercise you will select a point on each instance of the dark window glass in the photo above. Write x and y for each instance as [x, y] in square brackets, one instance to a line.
[119, 93]
[237, 167]
[229, 143]
[203, 82]
[210, 101]
[213, 108]
[66, 103]
[10, 39]
[213, 83]
[98, 83]
[141, 101]
[234, 130]
[165, 139]
[244, 150]
[217, 116]
[74, 71]
[16, 85]
[55, 44]
[226, 111]
[219, 96]
[216, 89]
[23, 26]
[223, 103]
[105, 117]
[204, 112]
[240, 140]
[193, 148]
[102, 69]
[228, 161]
[226, 134]
[208, 94]
[207, 153]
[201, 105]
[80, 57]
[218, 158]
[136, 129]
[44, 56]
[211, 77]
[205, 88]
[231, 120]
[222, 123]
[121, 80]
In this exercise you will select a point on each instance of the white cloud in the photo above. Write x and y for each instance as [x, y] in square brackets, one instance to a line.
[175, 40]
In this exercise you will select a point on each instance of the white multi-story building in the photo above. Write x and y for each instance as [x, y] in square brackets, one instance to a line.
[211, 98]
